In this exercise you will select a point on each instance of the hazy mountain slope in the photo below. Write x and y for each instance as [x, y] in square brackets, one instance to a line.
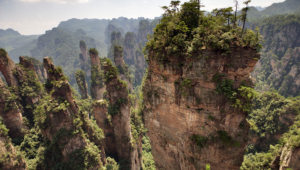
[286, 7]
[11, 39]
[22, 51]
[93, 27]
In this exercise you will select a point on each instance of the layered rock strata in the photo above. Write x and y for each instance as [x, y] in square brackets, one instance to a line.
[97, 80]
[126, 148]
[122, 67]
[80, 79]
[189, 123]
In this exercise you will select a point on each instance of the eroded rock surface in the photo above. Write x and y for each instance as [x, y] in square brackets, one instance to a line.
[181, 103]
[120, 107]
[97, 81]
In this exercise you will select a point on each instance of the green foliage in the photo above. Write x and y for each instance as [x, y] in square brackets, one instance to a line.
[148, 162]
[3, 129]
[114, 109]
[240, 98]
[2, 52]
[199, 140]
[207, 167]
[111, 73]
[188, 30]
[82, 44]
[93, 51]
[129, 40]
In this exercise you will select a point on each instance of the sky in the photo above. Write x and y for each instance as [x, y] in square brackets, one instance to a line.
[30, 17]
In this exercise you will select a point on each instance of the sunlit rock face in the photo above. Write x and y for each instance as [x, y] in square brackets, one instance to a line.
[181, 102]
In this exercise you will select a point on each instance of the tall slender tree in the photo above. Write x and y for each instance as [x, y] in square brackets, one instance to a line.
[236, 3]
[244, 15]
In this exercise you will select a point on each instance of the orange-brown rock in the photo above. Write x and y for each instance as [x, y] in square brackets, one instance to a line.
[12, 117]
[63, 119]
[120, 112]
[122, 67]
[101, 116]
[97, 79]
[8, 67]
[181, 102]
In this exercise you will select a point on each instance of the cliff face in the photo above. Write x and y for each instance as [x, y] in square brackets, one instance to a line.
[123, 68]
[101, 116]
[7, 66]
[10, 159]
[97, 84]
[63, 124]
[84, 59]
[125, 145]
[189, 124]
[12, 117]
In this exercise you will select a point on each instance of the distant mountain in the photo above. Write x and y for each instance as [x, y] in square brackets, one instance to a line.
[259, 8]
[286, 7]
[11, 39]
[8, 32]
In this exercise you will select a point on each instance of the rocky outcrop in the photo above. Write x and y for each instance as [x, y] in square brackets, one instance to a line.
[10, 159]
[122, 67]
[97, 77]
[140, 65]
[128, 50]
[80, 79]
[12, 117]
[119, 109]
[39, 69]
[23, 82]
[84, 59]
[143, 31]
[103, 121]
[7, 67]
[116, 39]
[287, 158]
[64, 125]
[189, 123]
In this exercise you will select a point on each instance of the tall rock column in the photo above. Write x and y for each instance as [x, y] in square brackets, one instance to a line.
[119, 109]
[191, 121]
[84, 59]
[139, 65]
[8, 67]
[122, 67]
[128, 50]
[80, 79]
[97, 80]
[10, 113]
[101, 116]
[65, 126]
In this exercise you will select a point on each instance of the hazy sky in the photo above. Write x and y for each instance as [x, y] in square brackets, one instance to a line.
[36, 16]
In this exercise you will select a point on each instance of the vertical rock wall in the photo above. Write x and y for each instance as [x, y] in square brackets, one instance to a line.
[97, 84]
[189, 123]
[80, 79]
[120, 113]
